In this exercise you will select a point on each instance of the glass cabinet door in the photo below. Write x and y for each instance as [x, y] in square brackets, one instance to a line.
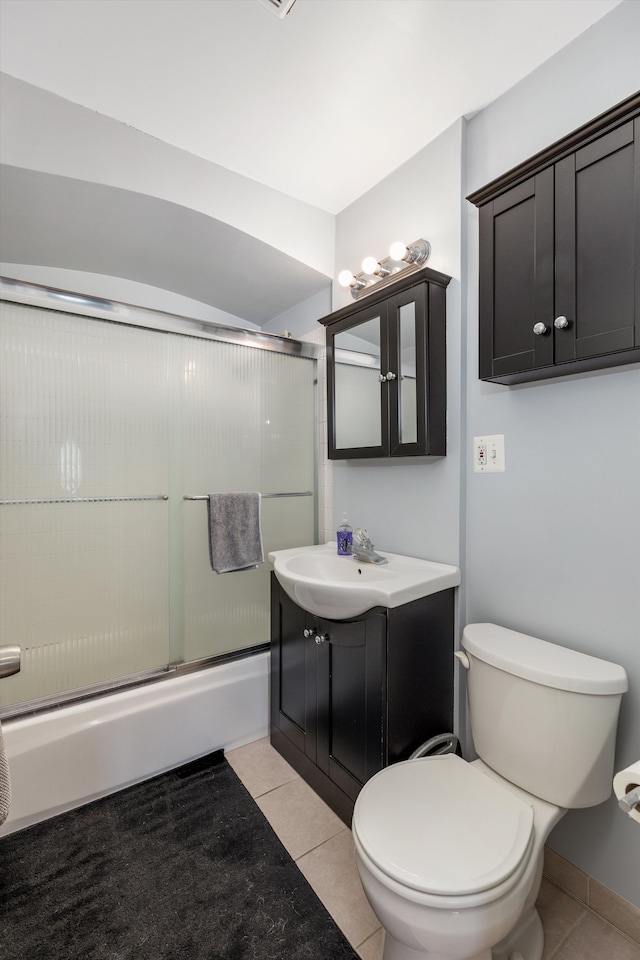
[406, 374]
[356, 396]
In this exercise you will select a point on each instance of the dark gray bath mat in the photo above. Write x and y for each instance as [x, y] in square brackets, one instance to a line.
[181, 867]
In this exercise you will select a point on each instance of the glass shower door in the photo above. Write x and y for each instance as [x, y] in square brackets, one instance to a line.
[105, 429]
[254, 434]
[84, 534]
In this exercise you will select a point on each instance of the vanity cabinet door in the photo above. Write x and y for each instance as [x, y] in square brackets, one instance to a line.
[293, 672]
[351, 672]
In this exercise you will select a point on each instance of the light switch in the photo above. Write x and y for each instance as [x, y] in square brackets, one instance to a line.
[488, 454]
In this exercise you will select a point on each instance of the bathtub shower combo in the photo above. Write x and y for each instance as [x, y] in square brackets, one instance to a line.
[116, 423]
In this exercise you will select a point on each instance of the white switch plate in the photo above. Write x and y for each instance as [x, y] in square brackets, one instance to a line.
[488, 454]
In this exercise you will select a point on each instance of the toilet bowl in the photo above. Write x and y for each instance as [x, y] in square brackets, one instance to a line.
[450, 852]
[453, 869]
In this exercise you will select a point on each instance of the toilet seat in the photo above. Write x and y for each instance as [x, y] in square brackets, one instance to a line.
[439, 826]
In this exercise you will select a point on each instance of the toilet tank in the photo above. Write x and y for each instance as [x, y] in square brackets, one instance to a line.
[543, 716]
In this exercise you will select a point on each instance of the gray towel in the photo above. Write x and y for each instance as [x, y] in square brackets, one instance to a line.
[5, 782]
[235, 541]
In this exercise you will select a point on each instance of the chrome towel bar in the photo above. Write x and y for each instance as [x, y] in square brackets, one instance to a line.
[266, 496]
[162, 496]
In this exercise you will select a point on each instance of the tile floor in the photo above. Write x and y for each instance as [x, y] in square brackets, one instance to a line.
[321, 846]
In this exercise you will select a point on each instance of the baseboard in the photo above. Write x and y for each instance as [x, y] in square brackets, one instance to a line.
[613, 908]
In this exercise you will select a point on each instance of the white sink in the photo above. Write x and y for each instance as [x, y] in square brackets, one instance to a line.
[339, 588]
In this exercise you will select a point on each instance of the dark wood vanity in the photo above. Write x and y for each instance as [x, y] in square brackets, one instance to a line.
[350, 697]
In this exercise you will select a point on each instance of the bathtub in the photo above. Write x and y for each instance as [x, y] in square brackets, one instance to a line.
[67, 757]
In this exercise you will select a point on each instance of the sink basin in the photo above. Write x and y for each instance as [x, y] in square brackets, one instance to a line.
[339, 588]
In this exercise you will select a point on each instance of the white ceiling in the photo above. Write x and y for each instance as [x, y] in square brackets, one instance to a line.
[320, 105]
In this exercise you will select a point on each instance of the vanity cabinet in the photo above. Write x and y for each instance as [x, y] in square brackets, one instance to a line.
[349, 697]
[386, 371]
[560, 256]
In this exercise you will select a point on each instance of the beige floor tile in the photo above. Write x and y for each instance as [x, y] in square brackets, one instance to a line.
[559, 913]
[299, 817]
[260, 767]
[303, 822]
[372, 948]
[594, 939]
[331, 871]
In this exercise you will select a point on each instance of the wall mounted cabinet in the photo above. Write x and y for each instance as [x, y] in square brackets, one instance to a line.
[350, 697]
[386, 371]
[560, 255]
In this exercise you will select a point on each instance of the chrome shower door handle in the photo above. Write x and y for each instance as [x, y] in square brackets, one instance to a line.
[9, 660]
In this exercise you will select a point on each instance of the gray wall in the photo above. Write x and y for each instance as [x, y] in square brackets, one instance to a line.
[411, 507]
[553, 544]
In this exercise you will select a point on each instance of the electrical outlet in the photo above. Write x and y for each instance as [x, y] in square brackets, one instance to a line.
[488, 454]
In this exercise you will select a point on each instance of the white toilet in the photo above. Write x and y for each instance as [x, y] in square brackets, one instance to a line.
[450, 853]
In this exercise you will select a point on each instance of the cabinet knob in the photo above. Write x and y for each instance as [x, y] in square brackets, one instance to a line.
[391, 376]
[539, 329]
[309, 632]
[382, 378]
[561, 323]
[322, 637]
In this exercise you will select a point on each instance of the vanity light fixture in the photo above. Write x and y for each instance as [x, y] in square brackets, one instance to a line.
[402, 258]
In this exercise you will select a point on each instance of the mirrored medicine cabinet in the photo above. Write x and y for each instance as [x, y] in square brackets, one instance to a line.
[386, 371]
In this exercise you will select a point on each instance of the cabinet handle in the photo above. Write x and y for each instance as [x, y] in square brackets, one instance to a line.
[382, 378]
[561, 323]
[539, 329]
[309, 632]
[322, 637]
[391, 376]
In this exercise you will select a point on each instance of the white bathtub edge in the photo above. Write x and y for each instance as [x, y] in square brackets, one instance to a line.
[71, 756]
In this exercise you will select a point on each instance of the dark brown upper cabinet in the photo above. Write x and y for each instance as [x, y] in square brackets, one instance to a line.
[560, 255]
[386, 371]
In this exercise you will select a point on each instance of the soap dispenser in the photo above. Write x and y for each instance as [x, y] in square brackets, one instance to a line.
[345, 537]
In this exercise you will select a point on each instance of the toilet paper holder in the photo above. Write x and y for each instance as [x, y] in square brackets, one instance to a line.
[630, 800]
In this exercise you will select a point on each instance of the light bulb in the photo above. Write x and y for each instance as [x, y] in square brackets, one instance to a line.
[345, 278]
[398, 250]
[370, 265]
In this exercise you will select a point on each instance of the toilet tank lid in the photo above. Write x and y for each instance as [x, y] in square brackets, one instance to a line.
[541, 662]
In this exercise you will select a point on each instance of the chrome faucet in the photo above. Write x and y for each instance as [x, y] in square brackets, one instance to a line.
[362, 548]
